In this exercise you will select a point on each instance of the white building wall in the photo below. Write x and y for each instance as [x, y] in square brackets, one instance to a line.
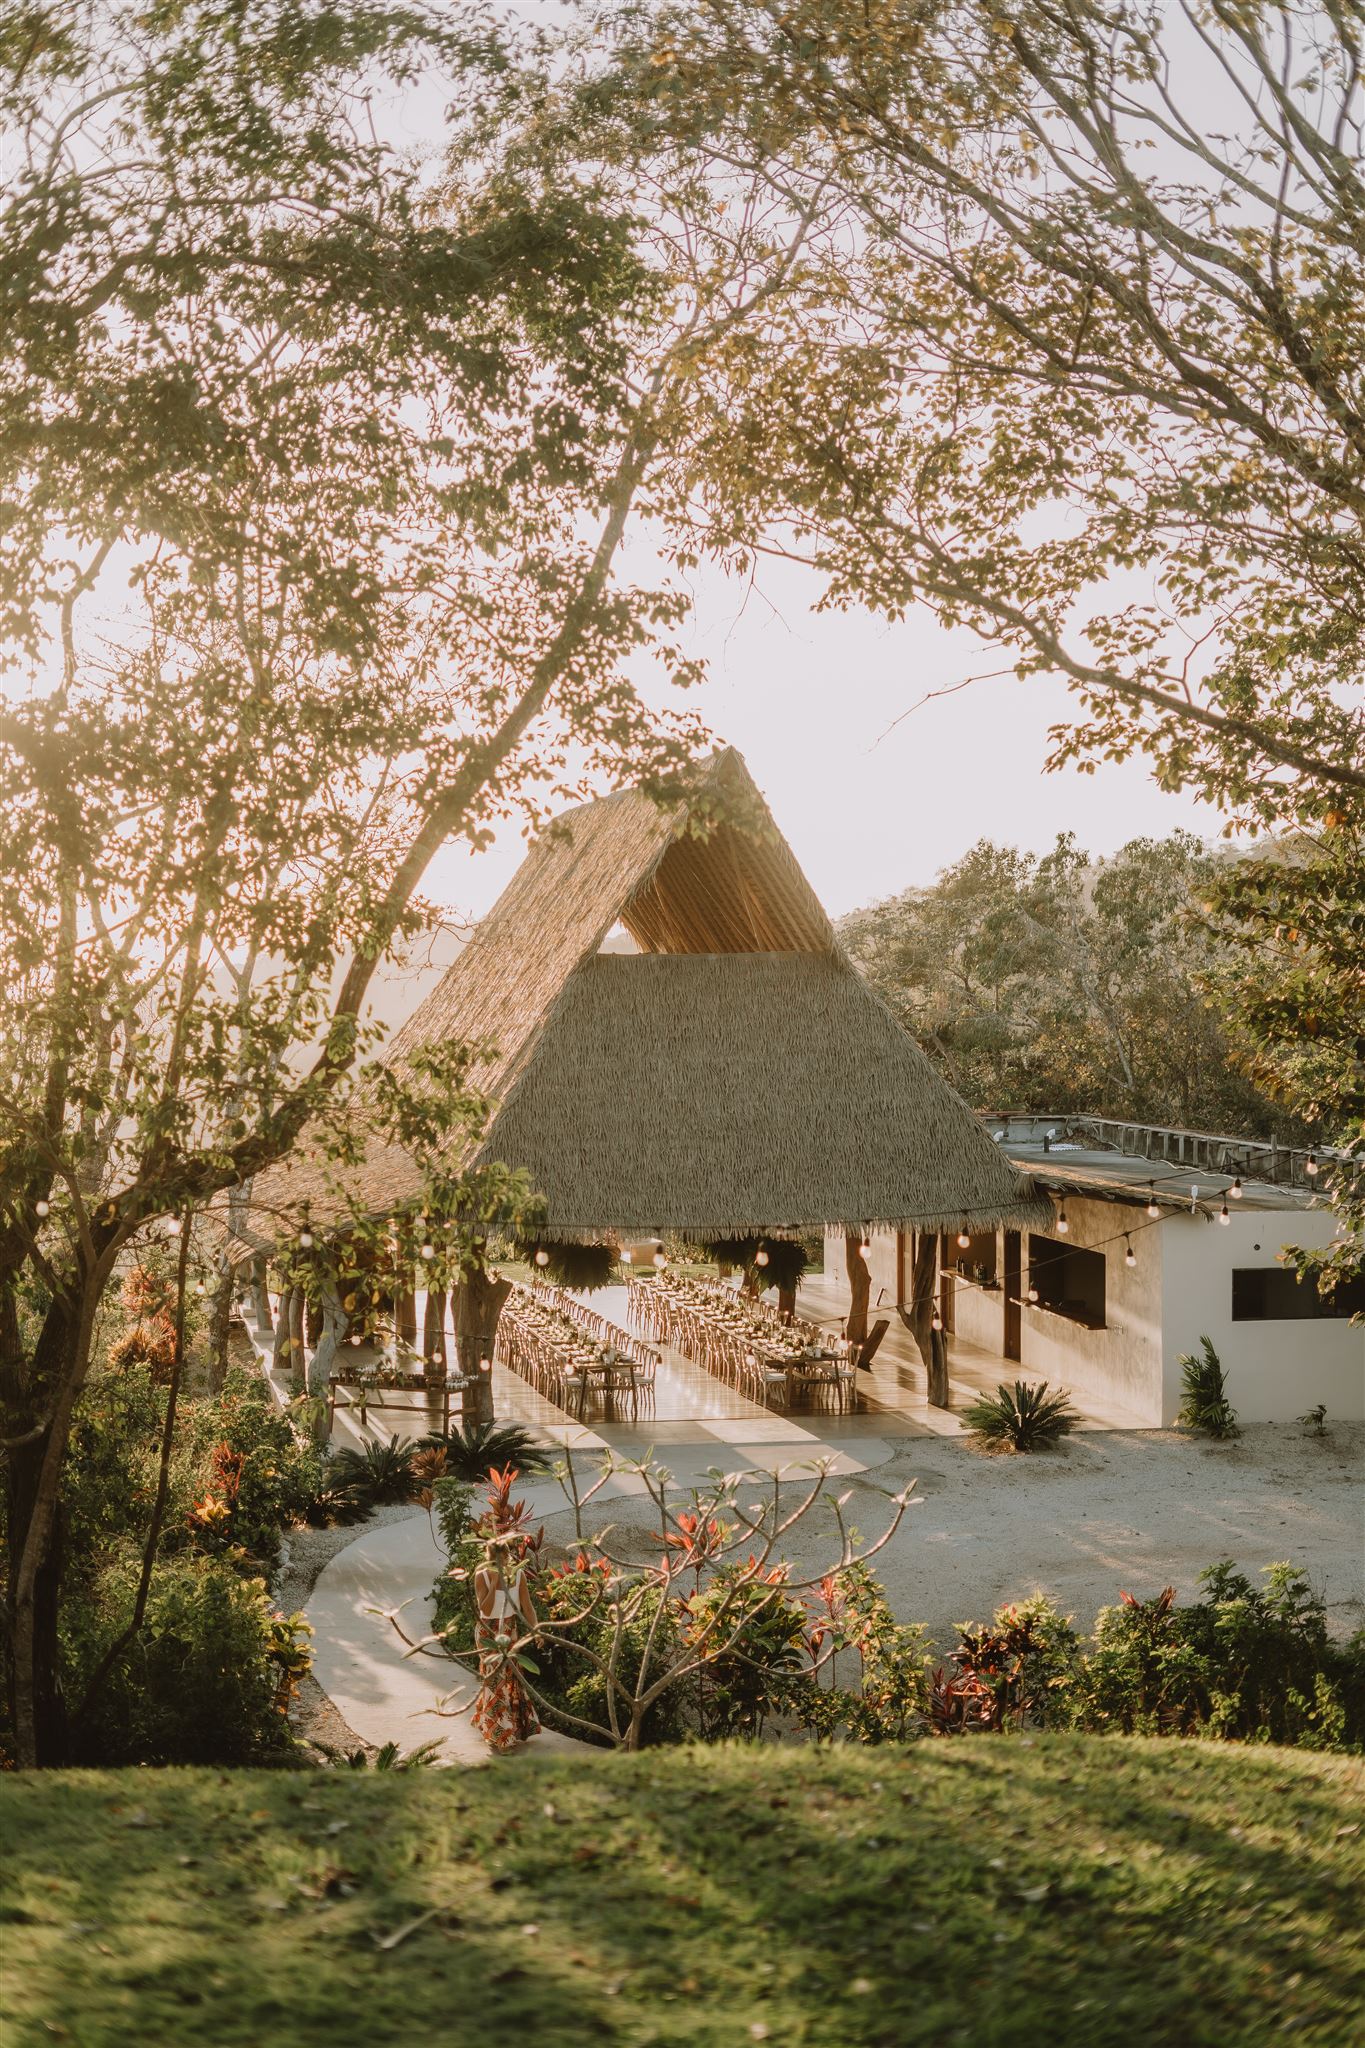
[1120, 1365]
[1275, 1370]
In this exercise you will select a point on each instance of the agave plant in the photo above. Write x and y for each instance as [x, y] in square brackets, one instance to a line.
[1025, 1416]
[1205, 1405]
[382, 1471]
[479, 1448]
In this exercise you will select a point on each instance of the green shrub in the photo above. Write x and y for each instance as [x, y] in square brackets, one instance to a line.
[1244, 1663]
[207, 1679]
[1204, 1405]
[479, 1448]
[381, 1473]
[1024, 1415]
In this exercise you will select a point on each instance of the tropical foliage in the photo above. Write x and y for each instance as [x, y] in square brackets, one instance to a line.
[1024, 1416]
[1061, 982]
[1204, 1404]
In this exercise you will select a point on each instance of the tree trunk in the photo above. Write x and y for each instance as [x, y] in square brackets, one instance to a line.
[220, 1316]
[298, 1350]
[34, 1668]
[478, 1304]
[42, 1396]
[260, 1299]
[930, 1343]
[405, 1318]
[333, 1315]
[859, 1289]
[434, 1332]
[280, 1359]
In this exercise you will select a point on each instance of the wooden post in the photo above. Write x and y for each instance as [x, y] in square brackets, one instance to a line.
[478, 1304]
[859, 1288]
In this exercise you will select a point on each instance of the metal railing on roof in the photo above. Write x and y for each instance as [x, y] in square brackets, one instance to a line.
[1261, 1159]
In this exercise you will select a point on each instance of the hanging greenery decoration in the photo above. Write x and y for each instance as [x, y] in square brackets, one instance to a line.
[581, 1267]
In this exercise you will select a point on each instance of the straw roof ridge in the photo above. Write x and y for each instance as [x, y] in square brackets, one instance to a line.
[674, 1079]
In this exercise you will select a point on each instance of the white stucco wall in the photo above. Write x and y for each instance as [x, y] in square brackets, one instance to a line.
[1119, 1365]
[1275, 1370]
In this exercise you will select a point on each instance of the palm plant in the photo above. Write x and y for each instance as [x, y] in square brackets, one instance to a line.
[479, 1448]
[382, 1471]
[1024, 1416]
[1205, 1405]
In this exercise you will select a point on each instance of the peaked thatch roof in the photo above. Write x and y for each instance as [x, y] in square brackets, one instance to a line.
[736, 1092]
[736, 1074]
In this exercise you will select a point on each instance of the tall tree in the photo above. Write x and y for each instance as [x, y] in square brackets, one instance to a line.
[1076, 355]
[1063, 982]
[366, 444]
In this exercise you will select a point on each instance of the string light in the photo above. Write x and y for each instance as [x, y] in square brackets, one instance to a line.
[1033, 1294]
[354, 1337]
[42, 1208]
[865, 1251]
[1129, 1255]
[938, 1320]
[1062, 1225]
[1223, 1214]
[306, 1240]
[761, 1257]
[1310, 1164]
[428, 1251]
[661, 1258]
[963, 1237]
[1236, 1189]
[1153, 1206]
[542, 1256]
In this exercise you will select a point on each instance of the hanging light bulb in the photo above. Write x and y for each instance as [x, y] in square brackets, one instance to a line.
[542, 1256]
[1153, 1206]
[938, 1320]
[42, 1208]
[865, 1251]
[1062, 1225]
[1129, 1255]
[1310, 1164]
[354, 1337]
[1033, 1294]
[661, 1258]
[761, 1256]
[1223, 1214]
[1236, 1189]
[963, 1237]
[306, 1240]
[201, 1286]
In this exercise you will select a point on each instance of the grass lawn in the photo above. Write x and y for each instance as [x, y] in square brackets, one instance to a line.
[1067, 1890]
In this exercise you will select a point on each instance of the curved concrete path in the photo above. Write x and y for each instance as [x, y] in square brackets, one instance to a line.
[387, 1694]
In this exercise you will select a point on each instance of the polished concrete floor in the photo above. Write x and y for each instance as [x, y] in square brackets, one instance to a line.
[691, 1407]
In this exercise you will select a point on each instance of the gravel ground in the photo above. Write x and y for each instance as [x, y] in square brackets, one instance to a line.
[313, 1717]
[1134, 1511]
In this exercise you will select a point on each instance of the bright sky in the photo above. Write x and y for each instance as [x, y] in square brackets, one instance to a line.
[808, 701]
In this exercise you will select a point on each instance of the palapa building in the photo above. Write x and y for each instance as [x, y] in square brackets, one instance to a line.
[729, 1075]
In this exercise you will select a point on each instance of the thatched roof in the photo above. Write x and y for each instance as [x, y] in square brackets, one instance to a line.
[729, 1093]
[736, 1074]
